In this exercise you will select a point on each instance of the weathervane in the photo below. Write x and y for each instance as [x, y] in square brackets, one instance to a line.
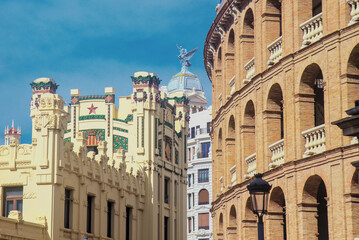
[185, 56]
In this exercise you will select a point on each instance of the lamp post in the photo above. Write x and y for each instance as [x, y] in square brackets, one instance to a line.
[350, 125]
[259, 191]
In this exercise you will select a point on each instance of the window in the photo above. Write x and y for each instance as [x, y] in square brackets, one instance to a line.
[167, 190]
[12, 199]
[167, 228]
[68, 208]
[203, 197]
[189, 201]
[193, 132]
[189, 225]
[90, 213]
[189, 154]
[128, 223]
[193, 199]
[203, 175]
[175, 194]
[110, 220]
[205, 149]
[203, 221]
[189, 180]
[208, 127]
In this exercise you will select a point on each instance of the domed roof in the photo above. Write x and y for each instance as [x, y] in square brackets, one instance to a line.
[44, 80]
[184, 80]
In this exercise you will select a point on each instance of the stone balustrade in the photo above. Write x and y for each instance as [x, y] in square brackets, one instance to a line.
[354, 13]
[232, 85]
[250, 70]
[275, 49]
[252, 166]
[233, 172]
[312, 29]
[314, 140]
[277, 150]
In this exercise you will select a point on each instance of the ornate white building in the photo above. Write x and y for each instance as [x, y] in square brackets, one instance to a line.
[199, 155]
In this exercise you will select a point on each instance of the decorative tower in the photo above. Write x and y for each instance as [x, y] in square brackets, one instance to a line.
[48, 124]
[12, 133]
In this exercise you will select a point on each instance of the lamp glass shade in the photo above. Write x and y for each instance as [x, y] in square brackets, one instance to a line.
[259, 202]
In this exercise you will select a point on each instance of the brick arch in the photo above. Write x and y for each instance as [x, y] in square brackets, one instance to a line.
[248, 22]
[248, 129]
[233, 216]
[231, 127]
[220, 222]
[219, 58]
[277, 214]
[272, 20]
[250, 220]
[310, 103]
[354, 184]
[313, 208]
[274, 121]
[352, 75]
[220, 139]
[231, 41]
[229, 60]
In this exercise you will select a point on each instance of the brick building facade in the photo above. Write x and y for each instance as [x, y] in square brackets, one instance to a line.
[282, 72]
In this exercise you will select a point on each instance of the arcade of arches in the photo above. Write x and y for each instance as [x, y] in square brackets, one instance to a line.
[276, 92]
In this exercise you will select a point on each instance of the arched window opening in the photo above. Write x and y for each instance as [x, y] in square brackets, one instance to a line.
[316, 7]
[352, 75]
[233, 217]
[322, 212]
[311, 97]
[203, 197]
[231, 127]
[319, 99]
[250, 228]
[219, 58]
[230, 56]
[248, 27]
[220, 139]
[314, 196]
[274, 8]
[231, 42]
[247, 46]
[278, 210]
[220, 225]
[248, 129]
[275, 113]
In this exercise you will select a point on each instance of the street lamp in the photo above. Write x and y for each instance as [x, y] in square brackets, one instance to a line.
[259, 191]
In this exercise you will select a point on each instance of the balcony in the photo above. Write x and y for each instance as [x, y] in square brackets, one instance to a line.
[250, 70]
[233, 175]
[312, 30]
[275, 49]
[277, 150]
[314, 140]
[232, 85]
[354, 13]
[252, 166]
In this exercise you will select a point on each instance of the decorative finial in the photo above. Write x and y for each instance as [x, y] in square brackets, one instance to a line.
[185, 56]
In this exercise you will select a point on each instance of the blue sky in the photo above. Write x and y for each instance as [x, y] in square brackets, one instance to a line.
[93, 44]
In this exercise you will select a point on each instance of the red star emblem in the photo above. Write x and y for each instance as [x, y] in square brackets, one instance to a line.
[92, 109]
